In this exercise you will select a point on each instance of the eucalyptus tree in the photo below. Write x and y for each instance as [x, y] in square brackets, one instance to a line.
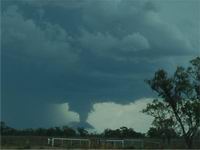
[179, 100]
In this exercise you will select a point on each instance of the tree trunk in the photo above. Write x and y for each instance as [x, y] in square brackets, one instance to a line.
[189, 142]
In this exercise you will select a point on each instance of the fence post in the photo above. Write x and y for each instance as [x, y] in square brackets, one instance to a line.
[89, 143]
[122, 143]
[71, 143]
[142, 144]
[52, 144]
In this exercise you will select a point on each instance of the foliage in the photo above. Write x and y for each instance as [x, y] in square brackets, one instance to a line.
[122, 132]
[158, 133]
[66, 131]
[180, 100]
[82, 132]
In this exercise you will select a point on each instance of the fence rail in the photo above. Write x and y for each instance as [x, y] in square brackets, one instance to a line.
[93, 143]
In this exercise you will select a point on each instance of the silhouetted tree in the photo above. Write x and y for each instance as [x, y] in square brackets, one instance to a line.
[180, 96]
[41, 132]
[82, 132]
[6, 130]
[164, 123]
[122, 132]
[109, 133]
[68, 132]
[155, 132]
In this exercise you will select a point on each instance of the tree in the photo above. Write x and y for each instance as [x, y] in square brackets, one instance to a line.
[68, 132]
[164, 123]
[153, 133]
[82, 132]
[6, 130]
[180, 97]
[122, 132]
[109, 133]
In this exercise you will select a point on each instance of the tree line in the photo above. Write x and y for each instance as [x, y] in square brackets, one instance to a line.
[66, 131]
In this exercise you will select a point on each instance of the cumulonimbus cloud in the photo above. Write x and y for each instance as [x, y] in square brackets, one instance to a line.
[45, 53]
[112, 115]
[48, 43]
[60, 115]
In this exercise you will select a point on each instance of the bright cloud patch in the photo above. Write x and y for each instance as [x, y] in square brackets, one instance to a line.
[112, 115]
[59, 115]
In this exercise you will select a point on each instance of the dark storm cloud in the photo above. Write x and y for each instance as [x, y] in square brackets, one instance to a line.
[85, 51]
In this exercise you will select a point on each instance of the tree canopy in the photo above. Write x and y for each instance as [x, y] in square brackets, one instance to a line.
[179, 100]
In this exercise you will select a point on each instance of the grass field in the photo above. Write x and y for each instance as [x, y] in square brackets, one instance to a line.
[39, 142]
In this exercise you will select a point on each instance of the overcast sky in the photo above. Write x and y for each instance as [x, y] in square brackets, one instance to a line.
[84, 62]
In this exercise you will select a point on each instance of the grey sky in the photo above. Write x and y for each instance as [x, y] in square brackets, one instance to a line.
[83, 52]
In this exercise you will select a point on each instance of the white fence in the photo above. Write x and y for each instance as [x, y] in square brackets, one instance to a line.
[105, 143]
[52, 141]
